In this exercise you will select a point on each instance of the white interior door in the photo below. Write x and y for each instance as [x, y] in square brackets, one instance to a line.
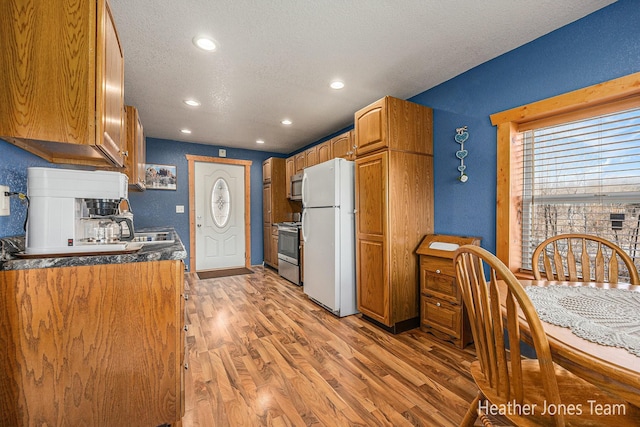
[219, 211]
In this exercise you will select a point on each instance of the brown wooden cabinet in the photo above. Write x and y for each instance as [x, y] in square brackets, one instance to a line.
[136, 150]
[394, 210]
[311, 157]
[62, 81]
[392, 123]
[324, 152]
[275, 206]
[301, 162]
[442, 311]
[274, 245]
[98, 345]
[290, 170]
[342, 146]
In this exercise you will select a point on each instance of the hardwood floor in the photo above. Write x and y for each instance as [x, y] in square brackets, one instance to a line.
[262, 354]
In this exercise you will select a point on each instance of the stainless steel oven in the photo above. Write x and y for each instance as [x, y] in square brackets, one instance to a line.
[289, 251]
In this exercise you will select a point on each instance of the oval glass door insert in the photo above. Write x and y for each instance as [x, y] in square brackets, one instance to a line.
[220, 203]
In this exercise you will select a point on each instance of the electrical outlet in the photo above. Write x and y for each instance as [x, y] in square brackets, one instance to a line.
[179, 208]
[4, 201]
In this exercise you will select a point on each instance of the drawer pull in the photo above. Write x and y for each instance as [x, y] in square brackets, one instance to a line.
[438, 304]
[438, 271]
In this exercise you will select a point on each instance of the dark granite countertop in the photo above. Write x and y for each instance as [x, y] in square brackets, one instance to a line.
[10, 246]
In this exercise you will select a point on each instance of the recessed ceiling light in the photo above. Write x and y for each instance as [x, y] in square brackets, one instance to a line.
[185, 131]
[205, 43]
[259, 141]
[337, 85]
[286, 122]
[192, 102]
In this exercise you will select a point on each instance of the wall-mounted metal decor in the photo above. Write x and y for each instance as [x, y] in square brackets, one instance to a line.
[461, 136]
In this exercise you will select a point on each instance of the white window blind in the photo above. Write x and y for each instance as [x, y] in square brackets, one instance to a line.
[582, 177]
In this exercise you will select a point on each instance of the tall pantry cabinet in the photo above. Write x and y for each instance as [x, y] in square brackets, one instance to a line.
[394, 208]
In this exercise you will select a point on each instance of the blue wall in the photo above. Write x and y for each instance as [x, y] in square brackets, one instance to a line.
[600, 47]
[158, 207]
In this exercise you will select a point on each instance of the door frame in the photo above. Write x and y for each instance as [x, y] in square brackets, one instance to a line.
[192, 159]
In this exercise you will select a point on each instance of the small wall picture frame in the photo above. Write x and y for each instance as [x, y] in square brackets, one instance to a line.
[160, 177]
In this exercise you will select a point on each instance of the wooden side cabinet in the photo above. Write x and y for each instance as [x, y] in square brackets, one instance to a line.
[93, 345]
[442, 311]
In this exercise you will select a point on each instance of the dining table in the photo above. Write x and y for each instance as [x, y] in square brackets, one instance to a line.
[615, 370]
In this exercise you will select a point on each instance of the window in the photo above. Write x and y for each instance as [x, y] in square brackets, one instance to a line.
[220, 203]
[561, 170]
[582, 176]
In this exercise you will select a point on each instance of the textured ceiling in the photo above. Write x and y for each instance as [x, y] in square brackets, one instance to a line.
[276, 58]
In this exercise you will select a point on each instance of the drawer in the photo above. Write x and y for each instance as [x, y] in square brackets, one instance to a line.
[438, 265]
[441, 315]
[440, 286]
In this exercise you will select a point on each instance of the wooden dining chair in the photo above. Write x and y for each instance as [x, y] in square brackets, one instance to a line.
[581, 258]
[504, 378]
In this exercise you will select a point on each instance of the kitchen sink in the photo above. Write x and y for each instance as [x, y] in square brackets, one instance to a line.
[154, 237]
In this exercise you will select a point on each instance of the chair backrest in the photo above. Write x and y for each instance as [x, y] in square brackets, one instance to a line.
[581, 258]
[482, 298]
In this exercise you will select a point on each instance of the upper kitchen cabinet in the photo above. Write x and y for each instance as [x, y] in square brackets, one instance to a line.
[62, 85]
[324, 152]
[311, 157]
[290, 171]
[342, 146]
[301, 162]
[136, 150]
[266, 170]
[392, 123]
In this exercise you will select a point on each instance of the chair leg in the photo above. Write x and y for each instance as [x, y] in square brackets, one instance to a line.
[472, 413]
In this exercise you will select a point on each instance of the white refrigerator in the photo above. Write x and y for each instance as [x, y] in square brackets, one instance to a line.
[328, 232]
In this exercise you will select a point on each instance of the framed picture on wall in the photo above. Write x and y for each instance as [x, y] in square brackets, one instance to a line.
[160, 177]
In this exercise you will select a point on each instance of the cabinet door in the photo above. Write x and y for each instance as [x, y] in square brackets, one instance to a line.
[374, 295]
[266, 171]
[266, 229]
[324, 152]
[274, 249]
[63, 99]
[371, 128]
[311, 157]
[110, 134]
[289, 172]
[266, 204]
[135, 152]
[342, 146]
[301, 162]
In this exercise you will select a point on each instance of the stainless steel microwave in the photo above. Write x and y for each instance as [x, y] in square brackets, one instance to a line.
[296, 186]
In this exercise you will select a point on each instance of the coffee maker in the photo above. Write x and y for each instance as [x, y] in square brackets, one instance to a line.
[76, 211]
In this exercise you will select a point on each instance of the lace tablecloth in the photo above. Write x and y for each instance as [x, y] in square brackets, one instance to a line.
[604, 316]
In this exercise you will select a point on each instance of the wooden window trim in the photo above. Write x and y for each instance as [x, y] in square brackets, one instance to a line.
[569, 106]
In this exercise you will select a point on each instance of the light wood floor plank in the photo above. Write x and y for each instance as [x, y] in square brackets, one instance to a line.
[261, 354]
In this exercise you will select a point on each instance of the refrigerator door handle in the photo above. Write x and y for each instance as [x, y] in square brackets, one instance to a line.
[304, 186]
[303, 228]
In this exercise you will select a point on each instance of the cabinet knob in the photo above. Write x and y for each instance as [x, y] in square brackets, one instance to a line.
[438, 304]
[186, 297]
[438, 271]
[186, 366]
[125, 153]
[186, 328]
